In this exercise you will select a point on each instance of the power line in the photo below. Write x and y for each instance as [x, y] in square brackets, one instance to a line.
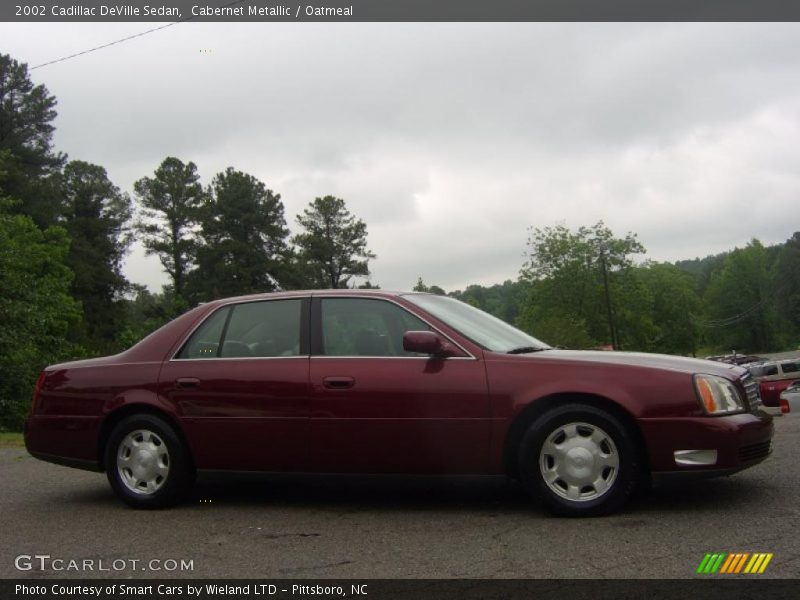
[727, 321]
[95, 49]
[125, 39]
[746, 313]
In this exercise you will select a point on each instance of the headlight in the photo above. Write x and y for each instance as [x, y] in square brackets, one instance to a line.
[718, 395]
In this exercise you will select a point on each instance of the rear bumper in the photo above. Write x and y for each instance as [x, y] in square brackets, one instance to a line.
[70, 441]
[740, 441]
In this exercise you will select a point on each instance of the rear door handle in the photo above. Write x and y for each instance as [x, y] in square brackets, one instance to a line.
[338, 383]
[187, 382]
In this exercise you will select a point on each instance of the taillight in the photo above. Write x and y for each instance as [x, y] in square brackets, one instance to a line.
[784, 406]
[36, 390]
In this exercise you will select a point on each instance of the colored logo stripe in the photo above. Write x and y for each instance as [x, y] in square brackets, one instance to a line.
[727, 565]
[710, 563]
[703, 563]
[735, 562]
[758, 563]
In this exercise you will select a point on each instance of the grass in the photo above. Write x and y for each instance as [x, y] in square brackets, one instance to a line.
[11, 440]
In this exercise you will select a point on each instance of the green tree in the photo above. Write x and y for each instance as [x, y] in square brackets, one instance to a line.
[243, 237]
[583, 278]
[786, 286]
[674, 301]
[475, 295]
[296, 272]
[503, 300]
[701, 269]
[36, 309]
[172, 202]
[739, 311]
[561, 331]
[420, 286]
[145, 312]
[433, 289]
[333, 245]
[560, 325]
[26, 131]
[633, 312]
[368, 285]
[96, 216]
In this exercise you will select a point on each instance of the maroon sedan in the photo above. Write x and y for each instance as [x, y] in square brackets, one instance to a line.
[380, 382]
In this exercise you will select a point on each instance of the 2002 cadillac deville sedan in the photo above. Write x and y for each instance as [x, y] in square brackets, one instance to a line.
[380, 382]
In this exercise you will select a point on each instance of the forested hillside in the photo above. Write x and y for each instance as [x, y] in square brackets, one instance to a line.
[584, 289]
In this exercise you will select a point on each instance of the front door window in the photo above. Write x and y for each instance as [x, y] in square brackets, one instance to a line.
[365, 327]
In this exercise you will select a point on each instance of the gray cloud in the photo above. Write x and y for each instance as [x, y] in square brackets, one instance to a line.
[451, 139]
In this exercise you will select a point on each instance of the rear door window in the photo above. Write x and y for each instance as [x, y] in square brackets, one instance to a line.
[263, 329]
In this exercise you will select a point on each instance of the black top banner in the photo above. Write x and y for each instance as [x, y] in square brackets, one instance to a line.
[400, 10]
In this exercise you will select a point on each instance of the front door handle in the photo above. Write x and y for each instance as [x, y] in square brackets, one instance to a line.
[187, 382]
[338, 383]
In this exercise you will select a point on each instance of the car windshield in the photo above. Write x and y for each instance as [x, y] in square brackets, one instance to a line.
[482, 328]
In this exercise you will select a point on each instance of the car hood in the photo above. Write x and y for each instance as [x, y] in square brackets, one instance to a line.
[642, 359]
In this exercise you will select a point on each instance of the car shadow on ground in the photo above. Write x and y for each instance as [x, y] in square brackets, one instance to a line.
[481, 494]
[359, 492]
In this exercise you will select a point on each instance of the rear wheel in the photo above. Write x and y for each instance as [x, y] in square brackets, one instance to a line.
[147, 465]
[579, 460]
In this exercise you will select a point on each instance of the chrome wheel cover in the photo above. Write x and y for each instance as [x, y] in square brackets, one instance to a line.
[143, 462]
[579, 462]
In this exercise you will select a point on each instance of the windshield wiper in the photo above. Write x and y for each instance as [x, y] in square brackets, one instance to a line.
[526, 349]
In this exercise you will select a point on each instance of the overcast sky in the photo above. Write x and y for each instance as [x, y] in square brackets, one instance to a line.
[450, 140]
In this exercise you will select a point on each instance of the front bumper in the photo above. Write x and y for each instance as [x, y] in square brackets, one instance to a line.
[740, 441]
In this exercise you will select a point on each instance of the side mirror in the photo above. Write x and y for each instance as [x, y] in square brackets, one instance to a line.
[427, 342]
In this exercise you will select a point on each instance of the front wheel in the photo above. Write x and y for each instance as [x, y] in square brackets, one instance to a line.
[146, 463]
[579, 461]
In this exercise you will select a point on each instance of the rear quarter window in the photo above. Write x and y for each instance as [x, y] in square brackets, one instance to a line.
[265, 329]
[204, 342]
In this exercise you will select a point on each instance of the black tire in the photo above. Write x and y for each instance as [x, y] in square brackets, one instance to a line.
[572, 456]
[164, 460]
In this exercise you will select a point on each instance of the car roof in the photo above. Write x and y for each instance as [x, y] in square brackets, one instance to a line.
[328, 292]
